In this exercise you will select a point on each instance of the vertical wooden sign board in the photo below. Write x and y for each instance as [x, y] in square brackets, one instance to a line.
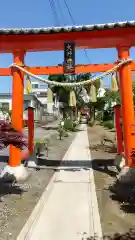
[69, 58]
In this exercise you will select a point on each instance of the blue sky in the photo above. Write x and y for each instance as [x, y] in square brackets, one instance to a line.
[37, 13]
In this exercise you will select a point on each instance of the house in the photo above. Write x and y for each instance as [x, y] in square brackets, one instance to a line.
[40, 91]
[29, 100]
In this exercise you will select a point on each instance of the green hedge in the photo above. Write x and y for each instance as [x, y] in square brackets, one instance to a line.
[108, 124]
[69, 125]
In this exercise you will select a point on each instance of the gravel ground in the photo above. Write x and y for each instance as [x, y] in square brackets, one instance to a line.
[39, 132]
[17, 202]
[116, 202]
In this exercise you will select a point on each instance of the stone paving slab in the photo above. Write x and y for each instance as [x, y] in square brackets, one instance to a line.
[69, 209]
[18, 203]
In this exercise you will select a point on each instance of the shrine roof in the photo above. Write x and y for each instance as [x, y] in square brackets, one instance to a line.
[108, 35]
[82, 28]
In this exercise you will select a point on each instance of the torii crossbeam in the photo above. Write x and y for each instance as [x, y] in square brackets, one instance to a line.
[92, 68]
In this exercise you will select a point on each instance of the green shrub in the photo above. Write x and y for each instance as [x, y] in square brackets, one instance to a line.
[107, 116]
[90, 124]
[99, 116]
[61, 132]
[65, 134]
[69, 125]
[108, 124]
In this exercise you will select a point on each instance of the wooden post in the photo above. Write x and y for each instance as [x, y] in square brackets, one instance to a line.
[119, 134]
[17, 106]
[30, 129]
[126, 103]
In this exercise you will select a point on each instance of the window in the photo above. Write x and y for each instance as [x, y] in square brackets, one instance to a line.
[42, 94]
[34, 85]
[4, 106]
[43, 86]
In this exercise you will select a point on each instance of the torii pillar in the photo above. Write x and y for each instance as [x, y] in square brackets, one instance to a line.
[17, 105]
[127, 105]
[15, 169]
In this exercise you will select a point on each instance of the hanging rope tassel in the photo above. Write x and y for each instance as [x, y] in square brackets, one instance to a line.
[72, 99]
[93, 94]
[114, 84]
[49, 96]
[28, 88]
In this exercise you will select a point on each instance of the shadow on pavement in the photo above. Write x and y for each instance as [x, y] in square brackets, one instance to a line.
[124, 194]
[100, 165]
[117, 236]
[4, 158]
[7, 188]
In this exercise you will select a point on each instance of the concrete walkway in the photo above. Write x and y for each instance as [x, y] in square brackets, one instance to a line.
[68, 208]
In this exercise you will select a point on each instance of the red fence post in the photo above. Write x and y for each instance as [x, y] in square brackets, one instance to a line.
[119, 133]
[31, 129]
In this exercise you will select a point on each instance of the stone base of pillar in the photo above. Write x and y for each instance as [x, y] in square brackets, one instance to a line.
[32, 164]
[119, 162]
[18, 173]
[32, 161]
[126, 175]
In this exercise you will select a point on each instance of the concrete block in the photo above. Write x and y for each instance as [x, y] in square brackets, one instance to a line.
[32, 161]
[119, 162]
[18, 173]
[126, 175]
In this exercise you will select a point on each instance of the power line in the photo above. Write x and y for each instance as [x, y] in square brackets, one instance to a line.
[54, 12]
[86, 54]
[56, 18]
[61, 12]
[70, 14]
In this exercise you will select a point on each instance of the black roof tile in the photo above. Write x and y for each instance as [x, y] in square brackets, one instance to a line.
[20, 31]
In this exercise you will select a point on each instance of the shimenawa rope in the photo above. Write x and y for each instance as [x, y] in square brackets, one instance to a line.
[69, 84]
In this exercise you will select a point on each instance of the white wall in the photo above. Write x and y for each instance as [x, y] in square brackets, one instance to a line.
[39, 90]
[34, 90]
[43, 100]
[50, 107]
[37, 110]
[7, 101]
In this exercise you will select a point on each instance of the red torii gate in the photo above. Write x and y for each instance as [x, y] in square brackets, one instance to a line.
[114, 35]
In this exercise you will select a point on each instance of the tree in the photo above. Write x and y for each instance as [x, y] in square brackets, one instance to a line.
[63, 93]
[60, 92]
[80, 104]
[111, 96]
